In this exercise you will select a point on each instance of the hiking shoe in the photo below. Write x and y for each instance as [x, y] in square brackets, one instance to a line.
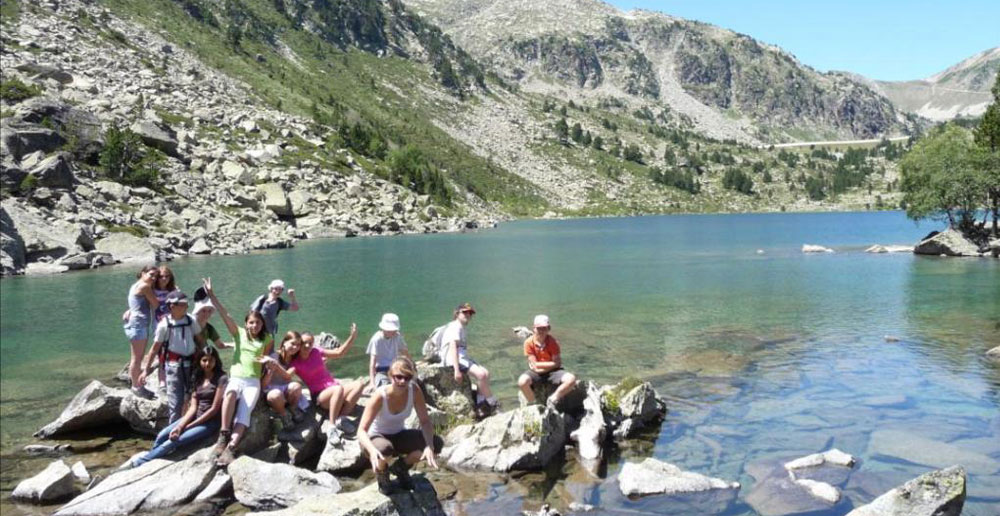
[402, 472]
[481, 412]
[143, 392]
[346, 426]
[333, 435]
[226, 457]
[382, 479]
[221, 443]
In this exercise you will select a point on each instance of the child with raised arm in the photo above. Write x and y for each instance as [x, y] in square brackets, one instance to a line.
[385, 346]
[251, 342]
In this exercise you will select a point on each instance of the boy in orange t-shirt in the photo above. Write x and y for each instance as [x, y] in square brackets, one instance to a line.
[544, 364]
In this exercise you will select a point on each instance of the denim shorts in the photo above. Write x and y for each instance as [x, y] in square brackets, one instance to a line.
[137, 332]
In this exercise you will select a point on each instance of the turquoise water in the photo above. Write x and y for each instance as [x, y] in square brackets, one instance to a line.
[767, 355]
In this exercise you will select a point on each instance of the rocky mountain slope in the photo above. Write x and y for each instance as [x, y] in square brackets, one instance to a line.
[962, 90]
[728, 85]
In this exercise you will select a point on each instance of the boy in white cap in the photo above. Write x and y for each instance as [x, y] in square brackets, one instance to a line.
[384, 346]
[544, 364]
[270, 304]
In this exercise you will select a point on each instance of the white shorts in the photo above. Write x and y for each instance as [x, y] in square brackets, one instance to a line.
[248, 392]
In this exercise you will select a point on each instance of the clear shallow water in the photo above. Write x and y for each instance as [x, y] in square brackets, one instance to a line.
[770, 356]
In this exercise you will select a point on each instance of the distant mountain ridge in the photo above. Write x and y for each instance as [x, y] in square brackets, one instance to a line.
[962, 90]
[728, 85]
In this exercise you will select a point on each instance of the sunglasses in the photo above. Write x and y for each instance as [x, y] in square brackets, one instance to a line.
[401, 377]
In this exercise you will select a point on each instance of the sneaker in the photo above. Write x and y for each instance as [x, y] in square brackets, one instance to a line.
[226, 457]
[333, 435]
[346, 426]
[402, 472]
[221, 443]
[143, 392]
[382, 479]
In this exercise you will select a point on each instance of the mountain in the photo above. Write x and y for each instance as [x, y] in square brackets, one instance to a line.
[728, 85]
[962, 90]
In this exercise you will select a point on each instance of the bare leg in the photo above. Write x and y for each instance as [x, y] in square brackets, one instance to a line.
[294, 394]
[568, 381]
[228, 410]
[352, 393]
[331, 398]
[524, 382]
[482, 376]
[238, 430]
[277, 401]
[138, 349]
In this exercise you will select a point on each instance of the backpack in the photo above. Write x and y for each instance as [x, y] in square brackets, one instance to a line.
[258, 305]
[433, 345]
[184, 325]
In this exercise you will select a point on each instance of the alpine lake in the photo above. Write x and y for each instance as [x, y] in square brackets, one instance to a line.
[763, 353]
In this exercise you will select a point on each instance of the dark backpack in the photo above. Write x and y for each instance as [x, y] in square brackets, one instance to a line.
[258, 305]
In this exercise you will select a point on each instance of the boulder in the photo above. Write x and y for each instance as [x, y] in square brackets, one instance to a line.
[368, 501]
[832, 456]
[80, 472]
[938, 493]
[95, 406]
[157, 484]
[950, 242]
[46, 238]
[994, 353]
[639, 408]
[521, 439]
[522, 332]
[275, 199]
[12, 253]
[777, 491]
[438, 383]
[571, 403]
[44, 269]
[112, 191]
[125, 248]
[157, 135]
[77, 125]
[145, 416]
[54, 483]
[591, 433]
[220, 487]
[40, 71]
[200, 246]
[343, 456]
[655, 477]
[917, 449]
[260, 485]
[54, 171]
[237, 172]
[18, 139]
[820, 490]
[890, 249]
[810, 248]
[87, 260]
[300, 202]
[260, 432]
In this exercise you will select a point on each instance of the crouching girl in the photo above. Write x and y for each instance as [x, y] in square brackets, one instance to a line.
[382, 434]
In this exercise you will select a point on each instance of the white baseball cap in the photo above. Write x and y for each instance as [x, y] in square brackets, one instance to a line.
[541, 321]
[277, 284]
[389, 322]
[201, 305]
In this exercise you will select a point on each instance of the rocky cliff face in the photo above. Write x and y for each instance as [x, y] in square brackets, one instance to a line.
[719, 79]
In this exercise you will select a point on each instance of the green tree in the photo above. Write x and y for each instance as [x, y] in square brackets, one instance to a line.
[942, 178]
[562, 129]
[125, 159]
[987, 136]
[576, 133]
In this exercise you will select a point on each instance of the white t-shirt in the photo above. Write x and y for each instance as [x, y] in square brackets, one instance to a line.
[455, 331]
[385, 350]
[179, 335]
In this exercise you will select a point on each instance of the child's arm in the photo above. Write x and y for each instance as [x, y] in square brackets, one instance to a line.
[234, 330]
[371, 372]
[148, 361]
[342, 350]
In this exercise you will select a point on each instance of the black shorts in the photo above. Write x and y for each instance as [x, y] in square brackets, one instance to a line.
[402, 443]
[553, 377]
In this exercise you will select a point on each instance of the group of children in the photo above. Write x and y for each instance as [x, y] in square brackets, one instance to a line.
[203, 400]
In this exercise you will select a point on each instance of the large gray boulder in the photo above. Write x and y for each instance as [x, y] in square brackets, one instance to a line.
[260, 432]
[343, 456]
[635, 409]
[77, 125]
[157, 135]
[938, 493]
[144, 416]
[521, 439]
[156, 485]
[300, 202]
[93, 407]
[655, 477]
[260, 485]
[12, 256]
[422, 500]
[54, 171]
[237, 172]
[949, 242]
[442, 391]
[53, 484]
[18, 139]
[275, 199]
[46, 238]
[127, 248]
[592, 431]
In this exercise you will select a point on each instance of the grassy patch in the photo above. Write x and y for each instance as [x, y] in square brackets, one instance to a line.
[138, 231]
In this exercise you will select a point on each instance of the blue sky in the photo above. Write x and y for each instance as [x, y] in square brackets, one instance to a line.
[880, 39]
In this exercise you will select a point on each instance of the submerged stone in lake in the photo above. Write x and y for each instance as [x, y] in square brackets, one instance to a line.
[921, 450]
[938, 493]
[652, 476]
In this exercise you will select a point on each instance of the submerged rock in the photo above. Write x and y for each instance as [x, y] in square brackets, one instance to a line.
[938, 493]
[422, 500]
[820, 490]
[157, 484]
[994, 353]
[921, 450]
[95, 406]
[652, 476]
[520, 439]
[260, 485]
[54, 483]
[832, 456]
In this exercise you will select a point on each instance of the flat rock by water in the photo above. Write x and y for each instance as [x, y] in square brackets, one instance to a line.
[95, 406]
[921, 450]
[520, 439]
[423, 500]
[938, 493]
[260, 485]
[652, 476]
[52, 484]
